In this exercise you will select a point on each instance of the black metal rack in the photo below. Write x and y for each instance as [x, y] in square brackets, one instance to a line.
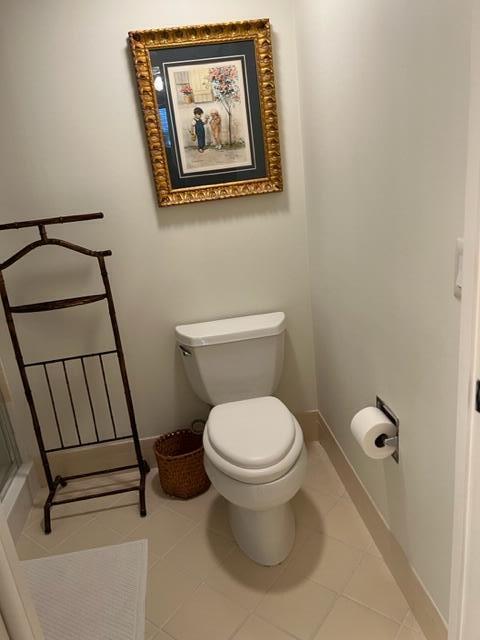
[51, 305]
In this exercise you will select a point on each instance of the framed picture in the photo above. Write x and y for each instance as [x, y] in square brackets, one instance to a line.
[208, 99]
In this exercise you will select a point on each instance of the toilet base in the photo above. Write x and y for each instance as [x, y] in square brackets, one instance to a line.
[267, 537]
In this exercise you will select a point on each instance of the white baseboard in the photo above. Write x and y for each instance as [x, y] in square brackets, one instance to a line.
[18, 499]
[417, 596]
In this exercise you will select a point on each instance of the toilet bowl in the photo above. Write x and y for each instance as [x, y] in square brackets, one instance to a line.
[255, 458]
[254, 451]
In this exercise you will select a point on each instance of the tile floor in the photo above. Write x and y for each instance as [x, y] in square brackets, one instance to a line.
[333, 586]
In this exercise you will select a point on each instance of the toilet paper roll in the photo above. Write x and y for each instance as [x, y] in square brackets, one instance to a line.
[367, 425]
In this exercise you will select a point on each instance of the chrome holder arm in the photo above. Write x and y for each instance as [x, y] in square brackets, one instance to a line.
[391, 442]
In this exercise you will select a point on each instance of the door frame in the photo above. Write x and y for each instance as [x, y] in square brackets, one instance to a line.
[464, 618]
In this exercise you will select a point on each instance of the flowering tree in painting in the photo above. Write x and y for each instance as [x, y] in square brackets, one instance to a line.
[225, 89]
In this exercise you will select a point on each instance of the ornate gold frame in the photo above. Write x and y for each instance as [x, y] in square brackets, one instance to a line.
[259, 32]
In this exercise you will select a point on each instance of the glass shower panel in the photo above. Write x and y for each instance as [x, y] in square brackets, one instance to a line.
[9, 458]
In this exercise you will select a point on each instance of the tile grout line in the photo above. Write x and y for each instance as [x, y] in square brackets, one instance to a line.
[157, 630]
[275, 626]
[114, 504]
[97, 515]
[363, 554]
[357, 566]
[259, 615]
[197, 588]
[250, 613]
[185, 535]
[400, 629]
[55, 546]
[94, 516]
[239, 627]
[284, 630]
[345, 595]
[339, 595]
[191, 595]
[32, 541]
[178, 513]
[132, 532]
[328, 614]
[366, 606]
[404, 626]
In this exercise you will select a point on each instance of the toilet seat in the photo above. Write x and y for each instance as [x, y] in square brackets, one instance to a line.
[254, 441]
[252, 434]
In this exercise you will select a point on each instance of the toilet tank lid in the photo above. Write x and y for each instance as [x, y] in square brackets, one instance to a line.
[231, 329]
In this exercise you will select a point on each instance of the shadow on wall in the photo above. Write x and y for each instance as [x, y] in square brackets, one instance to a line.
[290, 385]
[213, 211]
[396, 499]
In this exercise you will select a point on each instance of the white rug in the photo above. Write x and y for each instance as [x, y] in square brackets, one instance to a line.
[97, 594]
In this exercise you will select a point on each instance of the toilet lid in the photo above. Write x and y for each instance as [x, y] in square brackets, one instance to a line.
[253, 434]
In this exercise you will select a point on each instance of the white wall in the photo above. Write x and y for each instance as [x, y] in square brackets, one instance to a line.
[384, 90]
[73, 141]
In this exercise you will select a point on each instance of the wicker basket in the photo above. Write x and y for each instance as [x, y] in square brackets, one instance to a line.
[180, 463]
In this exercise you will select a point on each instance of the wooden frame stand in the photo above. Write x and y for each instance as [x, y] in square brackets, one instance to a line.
[51, 305]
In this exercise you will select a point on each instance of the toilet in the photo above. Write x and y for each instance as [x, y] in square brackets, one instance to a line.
[255, 455]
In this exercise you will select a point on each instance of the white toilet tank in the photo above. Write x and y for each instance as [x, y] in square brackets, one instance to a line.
[235, 358]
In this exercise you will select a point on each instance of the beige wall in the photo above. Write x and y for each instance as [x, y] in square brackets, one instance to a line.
[73, 141]
[384, 89]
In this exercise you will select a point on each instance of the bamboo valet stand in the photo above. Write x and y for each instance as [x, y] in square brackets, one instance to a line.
[51, 305]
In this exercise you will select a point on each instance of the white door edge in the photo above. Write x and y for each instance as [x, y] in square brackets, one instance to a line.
[464, 618]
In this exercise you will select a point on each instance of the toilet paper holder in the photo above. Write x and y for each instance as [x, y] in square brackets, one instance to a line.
[384, 440]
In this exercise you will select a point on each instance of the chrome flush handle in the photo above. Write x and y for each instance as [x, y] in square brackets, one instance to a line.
[185, 352]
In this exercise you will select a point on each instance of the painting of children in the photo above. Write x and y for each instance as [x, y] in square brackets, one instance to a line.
[207, 94]
[213, 132]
